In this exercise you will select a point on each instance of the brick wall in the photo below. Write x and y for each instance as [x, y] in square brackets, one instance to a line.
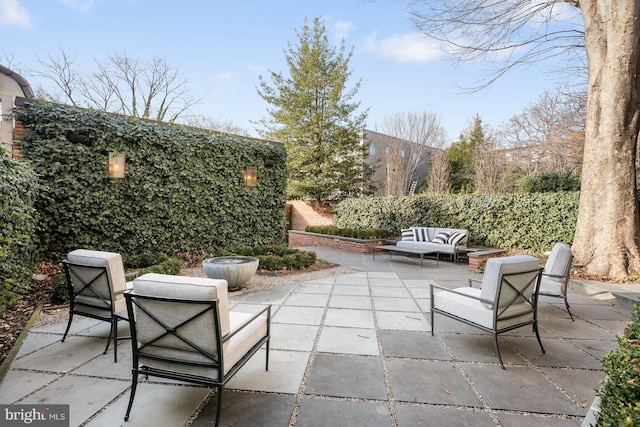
[299, 239]
[303, 214]
[475, 259]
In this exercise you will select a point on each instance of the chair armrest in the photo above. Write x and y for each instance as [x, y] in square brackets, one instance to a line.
[559, 276]
[244, 324]
[453, 291]
[472, 281]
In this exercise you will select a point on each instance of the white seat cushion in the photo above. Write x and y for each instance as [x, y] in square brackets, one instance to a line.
[550, 286]
[475, 311]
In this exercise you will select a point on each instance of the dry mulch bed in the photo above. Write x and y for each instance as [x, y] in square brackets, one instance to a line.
[15, 317]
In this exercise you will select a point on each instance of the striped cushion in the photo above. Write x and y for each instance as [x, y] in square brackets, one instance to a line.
[420, 234]
[455, 238]
[442, 237]
[407, 234]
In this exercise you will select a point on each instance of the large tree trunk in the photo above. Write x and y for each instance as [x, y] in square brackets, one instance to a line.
[606, 239]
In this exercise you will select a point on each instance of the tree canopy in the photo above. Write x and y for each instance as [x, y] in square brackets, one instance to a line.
[519, 32]
[312, 112]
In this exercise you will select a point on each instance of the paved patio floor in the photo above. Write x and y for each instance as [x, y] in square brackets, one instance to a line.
[347, 350]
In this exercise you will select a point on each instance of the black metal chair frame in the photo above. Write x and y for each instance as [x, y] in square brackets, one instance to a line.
[214, 362]
[564, 278]
[106, 304]
[498, 312]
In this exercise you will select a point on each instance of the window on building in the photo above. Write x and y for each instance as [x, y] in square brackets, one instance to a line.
[372, 149]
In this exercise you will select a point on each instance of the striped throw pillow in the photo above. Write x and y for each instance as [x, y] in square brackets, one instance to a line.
[407, 234]
[420, 234]
[455, 238]
[442, 237]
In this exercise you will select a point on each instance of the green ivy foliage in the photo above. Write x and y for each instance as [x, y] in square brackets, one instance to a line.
[529, 222]
[620, 390]
[19, 223]
[356, 233]
[183, 191]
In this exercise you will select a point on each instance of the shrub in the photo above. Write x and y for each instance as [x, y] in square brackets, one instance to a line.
[356, 233]
[528, 222]
[19, 224]
[168, 266]
[275, 257]
[620, 390]
[548, 182]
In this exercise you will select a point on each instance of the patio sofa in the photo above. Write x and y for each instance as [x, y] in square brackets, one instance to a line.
[442, 240]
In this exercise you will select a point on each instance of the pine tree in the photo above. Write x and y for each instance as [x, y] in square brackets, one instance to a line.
[313, 115]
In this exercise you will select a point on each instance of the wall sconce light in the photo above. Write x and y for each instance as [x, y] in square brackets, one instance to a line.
[116, 165]
[250, 176]
[78, 138]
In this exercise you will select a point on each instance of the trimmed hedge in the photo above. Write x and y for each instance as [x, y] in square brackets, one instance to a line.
[356, 233]
[183, 191]
[529, 222]
[19, 221]
[272, 258]
[620, 390]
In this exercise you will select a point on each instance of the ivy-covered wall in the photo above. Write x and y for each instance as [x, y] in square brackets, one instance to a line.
[530, 222]
[18, 222]
[183, 190]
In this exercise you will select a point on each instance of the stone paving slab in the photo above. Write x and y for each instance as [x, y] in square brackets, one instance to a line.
[87, 395]
[357, 377]
[313, 413]
[248, 409]
[424, 415]
[157, 405]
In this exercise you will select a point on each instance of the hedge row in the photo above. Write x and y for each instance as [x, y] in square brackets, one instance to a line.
[530, 222]
[620, 390]
[18, 221]
[356, 233]
[183, 191]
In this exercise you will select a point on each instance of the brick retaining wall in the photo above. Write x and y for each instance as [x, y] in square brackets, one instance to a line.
[301, 239]
[476, 258]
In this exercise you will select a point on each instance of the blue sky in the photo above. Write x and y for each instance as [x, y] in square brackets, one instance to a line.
[222, 46]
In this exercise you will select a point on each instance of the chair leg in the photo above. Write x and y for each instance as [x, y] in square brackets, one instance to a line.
[106, 349]
[68, 326]
[432, 325]
[219, 409]
[134, 385]
[566, 303]
[495, 343]
[535, 329]
[267, 362]
[114, 325]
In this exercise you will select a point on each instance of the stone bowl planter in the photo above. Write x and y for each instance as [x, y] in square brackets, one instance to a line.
[236, 270]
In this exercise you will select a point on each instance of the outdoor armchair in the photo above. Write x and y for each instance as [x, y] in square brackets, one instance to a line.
[556, 274]
[96, 282]
[506, 299]
[182, 329]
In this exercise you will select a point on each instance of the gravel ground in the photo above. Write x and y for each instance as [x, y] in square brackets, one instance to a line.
[258, 281]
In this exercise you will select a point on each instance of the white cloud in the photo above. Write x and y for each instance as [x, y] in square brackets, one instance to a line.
[83, 6]
[13, 13]
[412, 47]
[342, 29]
[221, 79]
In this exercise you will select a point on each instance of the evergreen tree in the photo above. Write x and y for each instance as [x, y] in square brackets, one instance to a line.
[461, 154]
[313, 115]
